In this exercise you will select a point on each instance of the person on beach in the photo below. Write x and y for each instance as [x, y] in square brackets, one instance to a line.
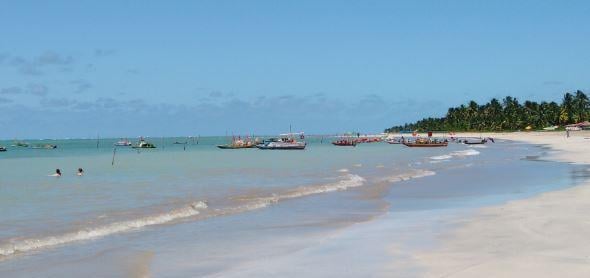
[80, 172]
[57, 173]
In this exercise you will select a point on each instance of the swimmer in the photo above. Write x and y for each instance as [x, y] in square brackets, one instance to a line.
[57, 173]
[80, 172]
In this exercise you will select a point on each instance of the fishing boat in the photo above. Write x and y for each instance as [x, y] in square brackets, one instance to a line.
[142, 144]
[2, 149]
[20, 144]
[345, 143]
[238, 143]
[394, 141]
[44, 146]
[123, 143]
[284, 142]
[478, 142]
[421, 142]
[368, 140]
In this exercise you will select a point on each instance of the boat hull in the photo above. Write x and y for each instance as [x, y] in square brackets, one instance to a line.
[426, 145]
[281, 147]
[229, 147]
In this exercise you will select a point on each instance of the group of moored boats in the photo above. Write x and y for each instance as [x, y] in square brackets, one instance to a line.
[21, 144]
[289, 141]
[142, 144]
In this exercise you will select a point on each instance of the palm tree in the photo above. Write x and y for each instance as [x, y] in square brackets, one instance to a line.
[580, 104]
[567, 109]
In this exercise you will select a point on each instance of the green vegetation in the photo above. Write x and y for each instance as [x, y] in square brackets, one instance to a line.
[507, 115]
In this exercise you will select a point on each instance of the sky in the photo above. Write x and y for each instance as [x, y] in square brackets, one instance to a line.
[75, 69]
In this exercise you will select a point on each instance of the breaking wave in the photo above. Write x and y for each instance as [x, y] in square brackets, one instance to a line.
[24, 245]
[16, 246]
[441, 157]
[446, 157]
[410, 175]
[253, 203]
[468, 152]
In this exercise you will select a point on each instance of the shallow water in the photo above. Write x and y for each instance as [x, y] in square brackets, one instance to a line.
[198, 210]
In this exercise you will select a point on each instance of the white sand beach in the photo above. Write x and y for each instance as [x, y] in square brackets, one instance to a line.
[545, 236]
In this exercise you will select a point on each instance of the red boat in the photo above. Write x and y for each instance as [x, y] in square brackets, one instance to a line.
[344, 143]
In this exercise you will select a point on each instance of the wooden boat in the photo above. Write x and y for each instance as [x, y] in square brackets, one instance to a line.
[480, 142]
[46, 147]
[393, 141]
[20, 144]
[368, 140]
[344, 143]
[426, 143]
[232, 147]
[238, 143]
[144, 145]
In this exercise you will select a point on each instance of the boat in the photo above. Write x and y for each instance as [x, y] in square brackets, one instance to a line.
[238, 143]
[2, 149]
[479, 142]
[123, 143]
[368, 140]
[394, 141]
[44, 146]
[345, 143]
[421, 142]
[284, 142]
[20, 144]
[142, 144]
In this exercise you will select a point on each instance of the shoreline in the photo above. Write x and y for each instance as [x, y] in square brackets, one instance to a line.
[542, 236]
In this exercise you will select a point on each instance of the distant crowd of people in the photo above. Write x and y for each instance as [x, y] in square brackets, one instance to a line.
[58, 173]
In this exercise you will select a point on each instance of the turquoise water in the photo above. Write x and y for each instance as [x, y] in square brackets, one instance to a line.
[194, 209]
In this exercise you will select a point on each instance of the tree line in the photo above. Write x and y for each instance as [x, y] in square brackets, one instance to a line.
[506, 115]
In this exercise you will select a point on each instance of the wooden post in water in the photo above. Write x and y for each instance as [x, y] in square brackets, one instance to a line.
[114, 152]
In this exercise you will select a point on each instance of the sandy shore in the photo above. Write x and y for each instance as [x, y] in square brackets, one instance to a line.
[545, 236]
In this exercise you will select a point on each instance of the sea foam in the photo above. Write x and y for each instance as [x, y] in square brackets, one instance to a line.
[468, 152]
[30, 244]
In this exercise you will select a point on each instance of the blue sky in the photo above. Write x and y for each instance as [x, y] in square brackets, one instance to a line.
[78, 68]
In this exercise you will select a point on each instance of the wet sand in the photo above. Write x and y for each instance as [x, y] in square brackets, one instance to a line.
[544, 236]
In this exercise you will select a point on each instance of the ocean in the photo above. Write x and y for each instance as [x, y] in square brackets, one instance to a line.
[196, 210]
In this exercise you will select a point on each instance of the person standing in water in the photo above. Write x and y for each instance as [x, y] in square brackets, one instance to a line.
[80, 172]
